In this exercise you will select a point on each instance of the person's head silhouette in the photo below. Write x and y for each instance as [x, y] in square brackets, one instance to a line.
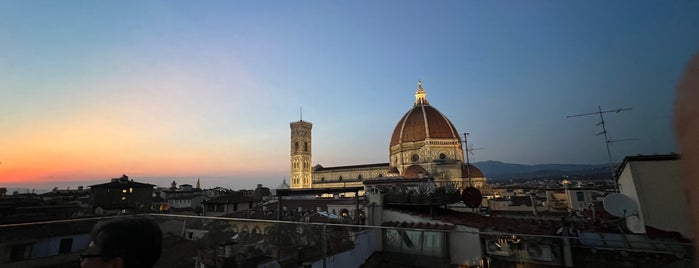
[129, 242]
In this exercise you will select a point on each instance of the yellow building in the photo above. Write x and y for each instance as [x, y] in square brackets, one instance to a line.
[424, 144]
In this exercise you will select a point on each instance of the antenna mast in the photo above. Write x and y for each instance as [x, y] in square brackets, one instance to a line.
[607, 140]
[468, 150]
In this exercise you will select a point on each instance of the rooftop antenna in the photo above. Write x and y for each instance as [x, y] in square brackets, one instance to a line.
[468, 149]
[607, 140]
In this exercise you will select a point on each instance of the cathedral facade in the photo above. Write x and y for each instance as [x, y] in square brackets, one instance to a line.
[424, 144]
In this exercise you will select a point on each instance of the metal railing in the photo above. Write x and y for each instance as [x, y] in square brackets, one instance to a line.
[197, 241]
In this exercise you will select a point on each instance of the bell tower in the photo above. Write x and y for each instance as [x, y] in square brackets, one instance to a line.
[301, 154]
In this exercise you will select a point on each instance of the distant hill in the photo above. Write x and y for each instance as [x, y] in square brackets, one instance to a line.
[497, 170]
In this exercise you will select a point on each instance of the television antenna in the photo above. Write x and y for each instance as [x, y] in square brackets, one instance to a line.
[607, 140]
[468, 149]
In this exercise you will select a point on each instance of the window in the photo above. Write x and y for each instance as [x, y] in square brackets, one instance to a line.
[415, 157]
[339, 178]
[66, 246]
[359, 177]
[123, 190]
[130, 190]
[296, 146]
[305, 146]
[581, 196]
[123, 198]
[20, 252]
[442, 156]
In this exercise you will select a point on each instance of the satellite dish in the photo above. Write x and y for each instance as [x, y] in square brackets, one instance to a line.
[633, 223]
[620, 205]
[472, 197]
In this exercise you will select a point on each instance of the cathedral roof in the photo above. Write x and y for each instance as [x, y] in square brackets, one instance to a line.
[415, 171]
[423, 121]
[377, 165]
[471, 172]
[283, 185]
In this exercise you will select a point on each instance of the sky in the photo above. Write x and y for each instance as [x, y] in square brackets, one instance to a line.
[180, 90]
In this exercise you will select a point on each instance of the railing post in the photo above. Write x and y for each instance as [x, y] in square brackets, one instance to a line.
[356, 208]
[567, 253]
[324, 239]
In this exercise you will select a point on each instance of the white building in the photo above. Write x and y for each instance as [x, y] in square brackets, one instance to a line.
[655, 184]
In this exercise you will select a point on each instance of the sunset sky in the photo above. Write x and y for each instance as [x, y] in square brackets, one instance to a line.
[180, 90]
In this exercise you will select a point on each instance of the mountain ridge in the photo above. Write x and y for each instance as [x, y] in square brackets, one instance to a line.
[498, 170]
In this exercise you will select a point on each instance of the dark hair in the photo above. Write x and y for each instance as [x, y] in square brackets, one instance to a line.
[137, 240]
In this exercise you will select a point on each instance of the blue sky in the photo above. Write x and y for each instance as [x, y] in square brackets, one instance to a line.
[183, 90]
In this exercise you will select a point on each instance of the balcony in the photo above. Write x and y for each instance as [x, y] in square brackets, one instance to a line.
[194, 241]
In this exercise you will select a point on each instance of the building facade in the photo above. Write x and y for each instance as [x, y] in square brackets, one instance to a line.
[655, 184]
[301, 154]
[121, 194]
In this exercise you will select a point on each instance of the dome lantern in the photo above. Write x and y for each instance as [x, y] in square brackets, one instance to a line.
[420, 95]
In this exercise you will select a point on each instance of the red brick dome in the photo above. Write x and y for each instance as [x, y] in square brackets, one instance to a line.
[421, 122]
[471, 171]
[414, 171]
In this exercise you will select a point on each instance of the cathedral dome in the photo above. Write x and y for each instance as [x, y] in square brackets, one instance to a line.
[471, 171]
[422, 122]
[415, 171]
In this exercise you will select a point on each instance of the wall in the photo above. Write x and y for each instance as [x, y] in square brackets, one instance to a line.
[574, 203]
[505, 205]
[49, 246]
[657, 188]
[463, 247]
[364, 245]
